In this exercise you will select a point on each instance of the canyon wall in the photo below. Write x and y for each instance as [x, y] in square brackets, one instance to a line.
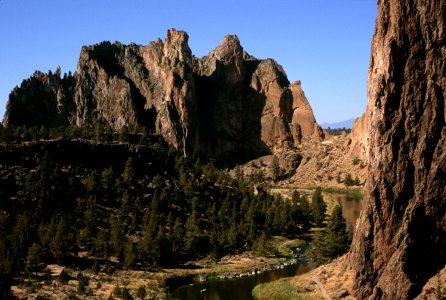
[400, 238]
[227, 105]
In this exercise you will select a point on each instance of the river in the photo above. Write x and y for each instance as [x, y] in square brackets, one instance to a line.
[240, 288]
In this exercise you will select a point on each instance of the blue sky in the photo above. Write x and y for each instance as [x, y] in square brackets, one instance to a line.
[323, 43]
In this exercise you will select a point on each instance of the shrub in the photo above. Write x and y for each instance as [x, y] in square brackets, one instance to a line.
[141, 293]
[82, 284]
[348, 181]
[356, 161]
[117, 291]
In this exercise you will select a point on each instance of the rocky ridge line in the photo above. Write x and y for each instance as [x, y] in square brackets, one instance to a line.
[224, 104]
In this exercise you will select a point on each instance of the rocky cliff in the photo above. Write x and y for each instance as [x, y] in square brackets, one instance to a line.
[400, 238]
[42, 99]
[359, 138]
[225, 103]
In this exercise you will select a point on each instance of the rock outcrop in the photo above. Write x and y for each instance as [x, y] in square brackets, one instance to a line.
[248, 105]
[400, 238]
[359, 139]
[42, 99]
[151, 86]
[223, 104]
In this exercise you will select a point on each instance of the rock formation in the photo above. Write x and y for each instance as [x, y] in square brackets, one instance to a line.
[359, 139]
[225, 103]
[151, 86]
[42, 99]
[400, 238]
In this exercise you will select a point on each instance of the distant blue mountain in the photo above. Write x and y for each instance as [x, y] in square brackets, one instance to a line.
[347, 124]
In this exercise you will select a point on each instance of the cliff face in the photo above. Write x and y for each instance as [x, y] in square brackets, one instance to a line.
[225, 103]
[151, 86]
[359, 138]
[248, 104]
[400, 238]
[42, 99]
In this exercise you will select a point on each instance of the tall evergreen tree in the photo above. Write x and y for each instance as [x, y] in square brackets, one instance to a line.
[34, 258]
[333, 241]
[301, 211]
[318, 207]
[275, 168]
[129, 254]
[177, 239]
[117, 237]
[337, 237]
[129, 175]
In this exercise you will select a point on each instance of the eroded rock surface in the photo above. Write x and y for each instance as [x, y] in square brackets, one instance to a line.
[359, 138]
[227, 105]
[400, 238]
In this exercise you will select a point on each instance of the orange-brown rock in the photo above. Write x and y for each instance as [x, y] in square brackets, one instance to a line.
[135, 85]
[303, 116]
[359, 138]
[227, 105]
[400, 238]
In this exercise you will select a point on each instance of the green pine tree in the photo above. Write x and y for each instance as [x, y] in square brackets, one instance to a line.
[129, 255]
[34, 258]
[318, 207]
[301, 211]
[275, 168]
[337, 237]
[117, 237]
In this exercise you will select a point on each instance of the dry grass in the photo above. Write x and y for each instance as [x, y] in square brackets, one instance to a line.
[280, 289]
[100, 285]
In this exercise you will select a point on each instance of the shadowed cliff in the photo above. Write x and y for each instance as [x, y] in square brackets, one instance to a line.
[400, 239]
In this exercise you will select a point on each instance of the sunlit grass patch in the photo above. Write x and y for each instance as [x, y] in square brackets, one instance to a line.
[278, 290]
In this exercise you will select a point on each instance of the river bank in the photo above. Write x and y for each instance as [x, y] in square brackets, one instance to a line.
[238, 287]
[330, 281]
[156, 284]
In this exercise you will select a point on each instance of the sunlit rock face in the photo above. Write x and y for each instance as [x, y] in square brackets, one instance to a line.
[227, 105]
[359, 138]
[247, 105]
[400, 238]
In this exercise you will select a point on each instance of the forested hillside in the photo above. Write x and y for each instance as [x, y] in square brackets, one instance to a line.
[95, 197]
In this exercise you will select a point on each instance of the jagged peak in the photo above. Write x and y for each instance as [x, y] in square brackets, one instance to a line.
[173, 35]
[297, 83]
[229, 47]
[177, 44]
[231, 40]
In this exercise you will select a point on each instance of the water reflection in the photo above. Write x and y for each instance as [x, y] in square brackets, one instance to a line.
[235, 289]
[351, 208]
